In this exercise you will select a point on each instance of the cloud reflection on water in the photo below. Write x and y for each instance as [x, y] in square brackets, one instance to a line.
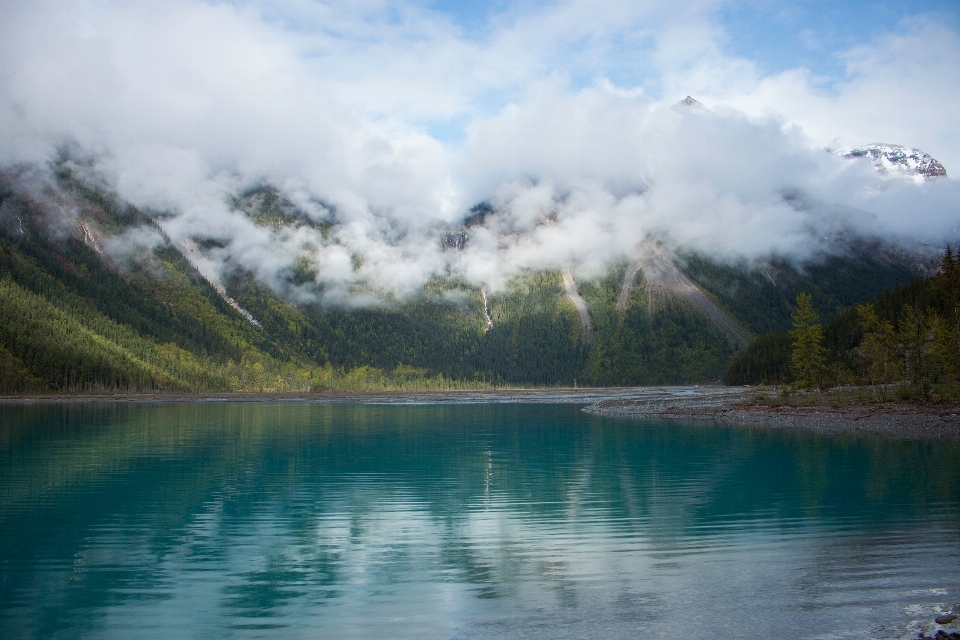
[459, 521]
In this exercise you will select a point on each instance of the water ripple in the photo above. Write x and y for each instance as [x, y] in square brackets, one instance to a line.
[476, 521]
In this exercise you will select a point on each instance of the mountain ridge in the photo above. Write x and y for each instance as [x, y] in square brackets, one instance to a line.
[155, 320]
[893, 159]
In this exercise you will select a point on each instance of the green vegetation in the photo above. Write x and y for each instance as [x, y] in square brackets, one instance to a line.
[762, 294]
[673, 345]
[766, 360]
[78, 316]
[807, 359]
[878, 349]
[908, 335]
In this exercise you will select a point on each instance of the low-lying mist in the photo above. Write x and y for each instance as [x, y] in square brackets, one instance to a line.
[249, 153]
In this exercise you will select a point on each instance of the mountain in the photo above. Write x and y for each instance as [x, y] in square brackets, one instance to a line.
[689, 105]
[894, 160]
[907, 338]
[95, 296]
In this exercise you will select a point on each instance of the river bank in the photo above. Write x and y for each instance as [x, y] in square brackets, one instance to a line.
[743, 406]
[820, 413]
[558, 395]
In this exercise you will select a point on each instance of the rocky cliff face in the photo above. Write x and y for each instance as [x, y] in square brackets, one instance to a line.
[893, 160]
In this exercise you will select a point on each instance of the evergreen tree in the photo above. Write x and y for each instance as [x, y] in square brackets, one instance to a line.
[943, 348]
[914, 336]
[878, 349]
[929, 348]
[950, 284]
[766, 360]
[808, 357]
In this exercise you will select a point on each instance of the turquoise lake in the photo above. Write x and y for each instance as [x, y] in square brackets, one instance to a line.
[298, 520]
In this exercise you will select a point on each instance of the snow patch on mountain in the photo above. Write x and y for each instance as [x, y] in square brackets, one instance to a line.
[690, 105]
[894, 160]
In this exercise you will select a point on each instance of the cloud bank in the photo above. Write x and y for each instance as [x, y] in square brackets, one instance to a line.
[348, 110]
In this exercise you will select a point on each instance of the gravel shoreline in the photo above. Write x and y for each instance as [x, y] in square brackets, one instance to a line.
[727, 406]
[559, 395]
[733, 406]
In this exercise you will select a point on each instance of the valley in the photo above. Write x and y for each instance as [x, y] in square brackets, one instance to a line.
[98, 298]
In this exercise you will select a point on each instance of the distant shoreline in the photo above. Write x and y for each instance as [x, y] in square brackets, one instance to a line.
[729, 406]
[738, 407]
[559, 395]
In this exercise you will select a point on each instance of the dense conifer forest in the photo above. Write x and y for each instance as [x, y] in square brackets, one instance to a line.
[78, 316]
[907, 337]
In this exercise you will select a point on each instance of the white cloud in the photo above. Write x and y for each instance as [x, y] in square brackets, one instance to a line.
[902, 88]
[186, 103]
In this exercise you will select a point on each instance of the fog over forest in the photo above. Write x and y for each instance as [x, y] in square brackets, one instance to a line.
[393, 120]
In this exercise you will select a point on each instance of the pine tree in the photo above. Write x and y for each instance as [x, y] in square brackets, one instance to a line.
[809, 355]
[915, 336]
[878, 348]
[943, 348]
[951, 278]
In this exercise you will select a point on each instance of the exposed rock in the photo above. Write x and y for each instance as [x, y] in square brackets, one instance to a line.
[892, 159]
[726, 405]
[586, 324]
[689, 105]
[942, 635]
[456, 240]
[192, 252]
[486, 310]
[627, 287]
[663, 277]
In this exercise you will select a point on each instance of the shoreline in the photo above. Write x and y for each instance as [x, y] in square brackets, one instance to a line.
[738, 407]
[713, 404]
[558, 395]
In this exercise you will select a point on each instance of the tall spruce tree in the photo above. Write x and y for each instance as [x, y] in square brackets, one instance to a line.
[951, 285]
[878, 349]
[914, 334]
[808, 357]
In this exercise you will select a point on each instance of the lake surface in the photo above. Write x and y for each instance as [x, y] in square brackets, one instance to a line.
[213, 520]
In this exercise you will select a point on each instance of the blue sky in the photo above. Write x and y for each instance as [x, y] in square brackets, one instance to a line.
[405, 113]
[811, 33]
[442, 66]
[773, 36]
[776, 35]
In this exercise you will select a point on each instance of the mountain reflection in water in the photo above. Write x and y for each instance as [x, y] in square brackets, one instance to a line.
[461, 521]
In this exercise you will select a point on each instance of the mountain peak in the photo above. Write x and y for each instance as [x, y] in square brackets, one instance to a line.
[689, 104]
[894, 159]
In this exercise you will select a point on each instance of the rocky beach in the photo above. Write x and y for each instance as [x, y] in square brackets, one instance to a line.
[743, 406]
[748, 406]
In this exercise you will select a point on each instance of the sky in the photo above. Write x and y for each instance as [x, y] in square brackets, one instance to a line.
[394, 118]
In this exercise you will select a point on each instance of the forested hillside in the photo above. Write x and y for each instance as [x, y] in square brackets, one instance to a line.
[907, 334]
[762, 295]
[82, 308]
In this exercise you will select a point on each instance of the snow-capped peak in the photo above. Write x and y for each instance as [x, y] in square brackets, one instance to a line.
[688, 105]
[892, 160]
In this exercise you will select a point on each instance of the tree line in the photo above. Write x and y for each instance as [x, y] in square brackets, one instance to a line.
[72, 319]
[908, 338]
